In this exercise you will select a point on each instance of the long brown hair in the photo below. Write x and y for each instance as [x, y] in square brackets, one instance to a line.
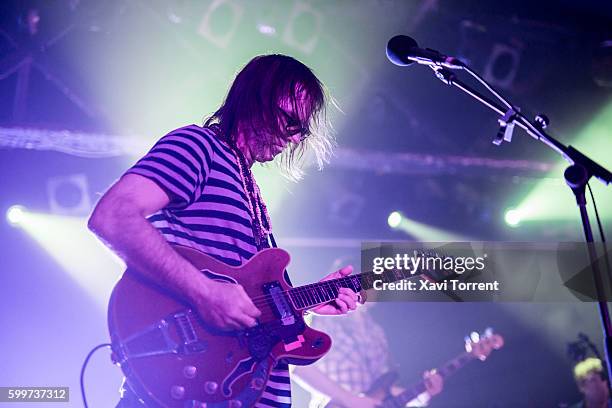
[253, 103]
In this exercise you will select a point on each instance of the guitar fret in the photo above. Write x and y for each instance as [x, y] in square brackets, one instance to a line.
[318, 294]
[330, 291]
[333, 285]
[307, 299]
[349, 283]
[326, 295]
[313, 296]
[323, 293]
[357, 283]
[303, 298]
[298, 299]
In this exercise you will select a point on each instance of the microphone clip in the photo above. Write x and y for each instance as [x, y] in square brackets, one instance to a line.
[443, 74]
[506, 127]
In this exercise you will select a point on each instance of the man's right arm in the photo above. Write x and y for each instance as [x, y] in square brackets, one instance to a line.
[119, 219]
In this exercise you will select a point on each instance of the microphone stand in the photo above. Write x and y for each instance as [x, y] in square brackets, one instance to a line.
[576, 175]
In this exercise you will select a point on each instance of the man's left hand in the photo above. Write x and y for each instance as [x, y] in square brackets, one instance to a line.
[346, 300]
[433, 382]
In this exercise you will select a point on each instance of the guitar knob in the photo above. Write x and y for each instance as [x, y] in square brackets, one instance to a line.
[235, 404]
[177, 392]
[190, 371]
[210, 387]
[318, 343]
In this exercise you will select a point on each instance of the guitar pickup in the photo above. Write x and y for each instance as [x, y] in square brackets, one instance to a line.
[280, 303]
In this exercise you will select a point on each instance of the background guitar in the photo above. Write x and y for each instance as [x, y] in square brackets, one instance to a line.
[477, 347]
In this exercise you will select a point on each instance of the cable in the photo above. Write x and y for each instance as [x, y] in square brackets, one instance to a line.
[601, 232]
[489, 87]
[99, 346]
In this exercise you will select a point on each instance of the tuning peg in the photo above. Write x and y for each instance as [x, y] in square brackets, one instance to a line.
[475, 337]
[488, 332]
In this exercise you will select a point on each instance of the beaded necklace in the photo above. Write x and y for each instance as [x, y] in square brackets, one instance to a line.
[257, 208]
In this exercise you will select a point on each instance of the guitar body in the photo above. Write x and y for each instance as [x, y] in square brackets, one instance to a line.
[171, 358]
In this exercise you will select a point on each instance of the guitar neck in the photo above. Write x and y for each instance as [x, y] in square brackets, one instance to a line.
[315, 294]
[448, 369]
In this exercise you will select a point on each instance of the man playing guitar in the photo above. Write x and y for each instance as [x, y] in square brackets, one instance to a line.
[195, 188]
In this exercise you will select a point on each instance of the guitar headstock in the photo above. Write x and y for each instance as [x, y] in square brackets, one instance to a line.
[481, 345]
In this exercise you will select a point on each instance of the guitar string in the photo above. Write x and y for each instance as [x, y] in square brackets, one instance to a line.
[307, 295]
[349, 277]
[305, 291]
[264, 302]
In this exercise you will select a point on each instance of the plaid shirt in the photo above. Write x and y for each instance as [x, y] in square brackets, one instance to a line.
[359, 353]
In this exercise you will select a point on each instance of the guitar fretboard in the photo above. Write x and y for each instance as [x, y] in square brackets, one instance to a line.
[315, 294]
[445, 371]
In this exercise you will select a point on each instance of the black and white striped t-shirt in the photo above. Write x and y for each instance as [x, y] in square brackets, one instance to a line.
[208, 210]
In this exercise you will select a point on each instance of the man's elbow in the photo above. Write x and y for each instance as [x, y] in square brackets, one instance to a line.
[99, 221]
[108, 217]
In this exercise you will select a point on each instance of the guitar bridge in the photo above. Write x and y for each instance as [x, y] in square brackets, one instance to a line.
[156, 339]
[151, 341]
[188, 334]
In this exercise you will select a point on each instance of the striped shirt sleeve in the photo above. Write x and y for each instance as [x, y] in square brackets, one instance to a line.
[179, 163]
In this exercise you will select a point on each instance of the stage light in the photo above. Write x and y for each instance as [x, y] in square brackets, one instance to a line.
[69, 195]
[422, 231]
[503, 65]
[15, 215]
[513, 217]
[266, 29]
[221, 21]
[303, 27]
[395, 219]
[551, 200]
[68, 241]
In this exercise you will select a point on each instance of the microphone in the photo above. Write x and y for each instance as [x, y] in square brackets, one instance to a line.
[403, 51]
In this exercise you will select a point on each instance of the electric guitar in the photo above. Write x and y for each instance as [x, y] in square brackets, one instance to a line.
[172, 358]
[477, 347]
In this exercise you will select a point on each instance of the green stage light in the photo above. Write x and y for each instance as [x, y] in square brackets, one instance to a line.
[551, 199]
[513, 217]
[421, 231]
[395, 219]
